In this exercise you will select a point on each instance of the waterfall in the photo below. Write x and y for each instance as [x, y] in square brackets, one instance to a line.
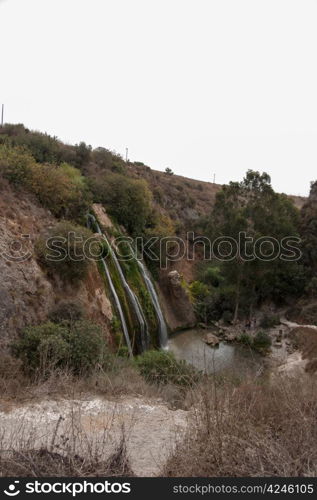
[156, 305]
[114, 293]
[131, 295]
[133, 299]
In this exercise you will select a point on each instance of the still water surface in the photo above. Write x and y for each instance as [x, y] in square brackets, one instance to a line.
[189, 346]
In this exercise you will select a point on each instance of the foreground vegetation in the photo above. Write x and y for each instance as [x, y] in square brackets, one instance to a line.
[238, 426]
[256, 429]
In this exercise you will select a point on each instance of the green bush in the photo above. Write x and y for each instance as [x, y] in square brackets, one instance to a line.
[245, 339]
[198, 290]
[60, 188]
[161, 367]
[126, 199]
[262, 341]
[87, 346]
[42, 347]
[43, 147]
[62, 251]
[16, 165]
[79, 346]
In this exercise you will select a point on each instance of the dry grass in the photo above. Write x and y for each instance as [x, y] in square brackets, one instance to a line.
[59, 456]
[252, 430]
[120, 379]
[249, 427]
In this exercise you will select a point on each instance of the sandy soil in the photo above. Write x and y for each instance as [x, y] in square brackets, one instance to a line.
[149, 426]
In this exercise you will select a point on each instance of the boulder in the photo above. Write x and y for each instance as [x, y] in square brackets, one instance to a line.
[230, 337]
[175, 278]
[175, 301]
[211, 339]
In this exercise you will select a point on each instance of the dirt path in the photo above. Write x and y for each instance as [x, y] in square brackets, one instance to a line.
[149, 426]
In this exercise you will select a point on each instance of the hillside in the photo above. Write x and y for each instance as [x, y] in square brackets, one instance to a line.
[182, 197]
[27, 294]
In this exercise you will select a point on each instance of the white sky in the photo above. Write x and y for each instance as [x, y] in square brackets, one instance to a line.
[201, 86]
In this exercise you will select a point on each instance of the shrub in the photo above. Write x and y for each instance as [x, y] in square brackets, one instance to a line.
[261, 341]
[199, 290]
[126, 199]
[40, 346]
[162, 367]
[16, 164]
[245, 339]
[60, 188]
[108, 160]
[211, 275]
[66, 311]
[62, 250]
[86, 346]
[169, 171]
[79, 346]
[43, 147]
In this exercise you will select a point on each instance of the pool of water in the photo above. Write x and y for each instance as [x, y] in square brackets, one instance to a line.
[189, 346]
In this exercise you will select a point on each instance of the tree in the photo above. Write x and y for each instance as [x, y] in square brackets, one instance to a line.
[128, 200]
[169, 171]
[249, 217]
[308, 229]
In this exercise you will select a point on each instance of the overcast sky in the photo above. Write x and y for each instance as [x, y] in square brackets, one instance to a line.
[200, 86]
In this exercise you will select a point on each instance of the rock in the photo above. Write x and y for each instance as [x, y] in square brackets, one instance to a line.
[102, 215]
[175, 278]
[175, 301]
[230, 337]
[211, 339]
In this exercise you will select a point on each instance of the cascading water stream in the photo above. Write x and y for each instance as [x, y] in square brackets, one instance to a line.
[156, 304]
[114, 293]
[132, 297]
[163, 337]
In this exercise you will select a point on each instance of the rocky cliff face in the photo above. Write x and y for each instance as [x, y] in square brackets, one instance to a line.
[175, 302]
[26, 293]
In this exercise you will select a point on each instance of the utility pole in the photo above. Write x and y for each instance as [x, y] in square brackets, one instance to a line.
[214, 181]
[2, 113]
[126, 154]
